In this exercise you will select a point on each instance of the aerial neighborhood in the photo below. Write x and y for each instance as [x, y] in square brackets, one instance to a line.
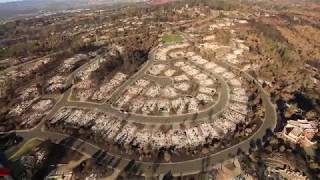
[187, 89]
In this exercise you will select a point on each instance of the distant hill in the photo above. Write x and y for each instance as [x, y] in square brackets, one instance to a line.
[13, 9]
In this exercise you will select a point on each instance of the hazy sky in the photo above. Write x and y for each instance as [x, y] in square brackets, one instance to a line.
[8, 0]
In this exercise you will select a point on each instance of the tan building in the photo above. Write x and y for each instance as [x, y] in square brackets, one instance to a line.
[300, 131]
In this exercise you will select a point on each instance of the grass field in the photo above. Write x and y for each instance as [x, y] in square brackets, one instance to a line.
[25, 149]
[171, 38]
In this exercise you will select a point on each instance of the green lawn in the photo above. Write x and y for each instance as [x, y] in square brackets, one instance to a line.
[171, 38]
[25, 149]
[73, 96]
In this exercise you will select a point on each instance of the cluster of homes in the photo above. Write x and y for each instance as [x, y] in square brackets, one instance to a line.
[236, 47]
[147, 96]
[20, 75]
[162, 52]
[155, 98]
[142, 96]
[238, 92]
[57, 83]
[183, 87]
[54, 84]
[27, 97]
[86, 89]
[105, 91]
[281, 165]
[111, 127]
[225, 23]
[32, 160]
[30, 108]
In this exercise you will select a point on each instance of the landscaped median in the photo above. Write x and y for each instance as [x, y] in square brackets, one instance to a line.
[28, 146]
[171, 39]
